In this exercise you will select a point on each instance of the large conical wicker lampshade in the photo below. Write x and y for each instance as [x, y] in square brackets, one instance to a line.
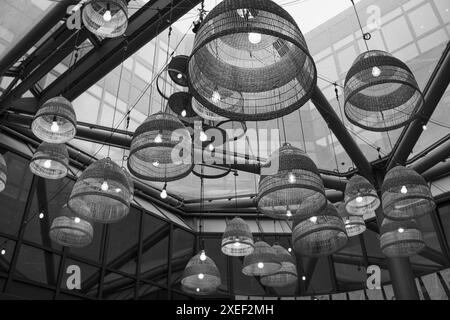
[71, 231]
[381, 92]
[55, 121]
[237, 240]
[161, 149]
[106, 18]
[400, 238]
[360, 196]
[50, 161]
[286, 275]
[293, 188]
[101, 193]
[262, 261]
[3, 173]
[178, 70]
[200, 277]
[319, 234]
[406, 195]
[354, 225]
[252, 49]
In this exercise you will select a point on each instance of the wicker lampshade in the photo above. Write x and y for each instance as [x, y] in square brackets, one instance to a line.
[180, 104]
[286, 275]
[252, 49]
[178, 70]
[400, 238]
[50, 161]
[405, 194]
[71, 231]
[130, 182]
[262, 261]
[153, 146]
[55, 121]
[101, 193]
[205, 113]
[97, 20]
[200, 277]
[296, 186]
[354, 225]
[3, 173]
[381, 92]
[360, 196]
[319, 234]
[237, 240]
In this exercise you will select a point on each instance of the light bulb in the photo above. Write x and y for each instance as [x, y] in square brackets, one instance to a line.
[47, 164]
[404, 190]
[401, 230]
[359, 199]
[211, 147]
[41, 215]
[155, 163]
[292, 178]
[158, 138]
[289, 213]
[201, 276]
[55, 126]
[183, 113]
[237, 244]
[107, 16]
[424, 127]
[77, 220]
[216, 96]
[376, 72]
[203, 256]
[3, 252]
[118, 190]
[179, 76]
[164, 193]
[313, 219]
[289, 249]
[254, 38]
[304, 278]
[260, 265]
[203, 136]
[198, 289]
[104, 186]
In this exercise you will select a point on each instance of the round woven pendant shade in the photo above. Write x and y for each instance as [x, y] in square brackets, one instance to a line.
[178, 70]
[295, 186]
[156, 153]
[50, 161]
[237, 240]
[354, 225]
[55, 121]
[254, 50]
[3, 173]
[406, 195]
[200, 277]
[319, 234]
[101, 193]
[205, 113]
[400, 238]
[286, 275]
[262, 261]
[180, 104]
[360, 196]
[381, 92]
[71, 231]
[97, 20]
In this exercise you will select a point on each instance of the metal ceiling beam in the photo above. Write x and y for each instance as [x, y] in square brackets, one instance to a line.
[439, 171]
[433, 157]
[436, 87]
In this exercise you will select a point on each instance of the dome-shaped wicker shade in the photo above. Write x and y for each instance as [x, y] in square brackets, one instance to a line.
[400, 238]
[71, 231]
[286, 275]
[180, 104]
[97, 20]
[50, 161]
[3, 173]
[354, 225]
[262, 261]
[295, 185]
[319, 234]
[154, 146]
[101, 193]
[252, 49]
[237, 239]
[405, 194]
[381, 92]
[360, 196]
[178, 70]
[200, 277]
[55, 121]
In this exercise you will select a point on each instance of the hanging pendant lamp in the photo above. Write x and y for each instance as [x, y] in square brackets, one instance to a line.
[55, 121]
[50, 161]
[360, 196]
[401, 238]
[106, 18]
[354, 225]
[178, 70]
[201, 275]
[3, 173]
[101, 193]
[381, 92]
[270, 67]
[237, 240]
[406, 195]
[294, 188]
[262, 261]
[286, 275]
[157, 153]
[71, 231]
[180, 104]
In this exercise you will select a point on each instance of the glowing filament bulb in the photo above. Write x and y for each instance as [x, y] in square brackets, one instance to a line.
[254, 38]
[404, 190]
[313, 219]
[107, 15]
[237, 244]
[47, 164]
[203, 136]
[77, 220]
[158, 138]
[41, 215]
[401, 230]
[104, 186]
[183, 113]
[179, 76]
[155, 163]
[211, 147]
[118, 190]
[216, 96]
[359, 199]
[292, 178]
[289, 249]
[201, 276]
[424, 127]
[163, 193]
[55, 126]
[260, 265]
[198, 289]
[289, 213]
[376, 72]
[3, 252]
[203, 256]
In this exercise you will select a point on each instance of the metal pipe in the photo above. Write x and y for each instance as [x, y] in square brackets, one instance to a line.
[432, 158]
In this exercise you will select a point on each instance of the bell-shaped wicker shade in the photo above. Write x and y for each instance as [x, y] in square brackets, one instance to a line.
[381, 92]
[106, 18]
[286, 275]
[55, 121]
[237, 240]
[400, 238]
[406, 195]
[290, 183]
[200, 277]
[101, 193]
[180, 104]
[262, 261]
[71, 231]
[50, 161]
[3, 173]
[360, 196]
[354, 225]
[319, 234]
[161, 149]
[178, 70]
[254, 51]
